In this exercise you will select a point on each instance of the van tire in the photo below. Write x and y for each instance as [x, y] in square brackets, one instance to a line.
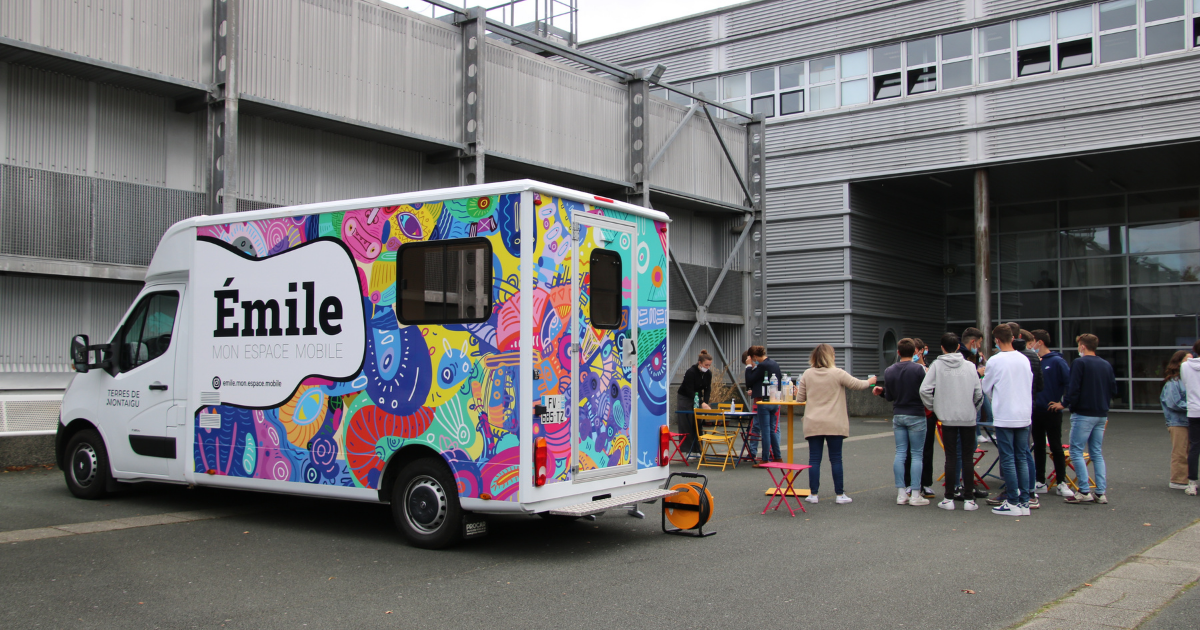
[87, 471]
[425, 504]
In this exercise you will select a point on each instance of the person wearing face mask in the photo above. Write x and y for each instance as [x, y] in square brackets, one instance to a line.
[1047, 414]
[971, 348]
[696, 386]
[931, 423]
[759, 369]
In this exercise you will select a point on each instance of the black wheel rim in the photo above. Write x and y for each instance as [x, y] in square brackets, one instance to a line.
[84, 464]
[425, 504]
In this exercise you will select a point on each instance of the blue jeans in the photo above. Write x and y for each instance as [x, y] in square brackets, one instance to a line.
[910, 434]
[1087, 433]
[1013, 445]
[764, 426]
[816, 446]
[983, 415]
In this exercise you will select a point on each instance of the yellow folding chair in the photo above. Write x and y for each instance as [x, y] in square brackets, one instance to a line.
[713, 432]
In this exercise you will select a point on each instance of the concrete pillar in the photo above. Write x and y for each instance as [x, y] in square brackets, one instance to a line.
[983, 259]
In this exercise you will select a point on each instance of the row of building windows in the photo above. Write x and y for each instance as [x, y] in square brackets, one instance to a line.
[1056, 42]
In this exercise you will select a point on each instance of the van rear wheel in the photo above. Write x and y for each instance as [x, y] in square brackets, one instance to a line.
[87, 470]
[425, 504]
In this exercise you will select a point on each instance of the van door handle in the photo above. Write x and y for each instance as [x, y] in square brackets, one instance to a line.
[158, 386]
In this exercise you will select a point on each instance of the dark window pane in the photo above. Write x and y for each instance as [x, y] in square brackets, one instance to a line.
[659, 92]
[1163, 268]
[1162, 38]
[1166, 331]
[1032, 216]
[994, 37]
[1196, 31]
[957, 74]
[1028, 304]
[1093, 303]
[1093, 241]
[1118, 46]
[707, 87]
[962, 280]
[1027, 246]
[955, 45]
[1030, 275]
[922, 80]
[1163, 9]
[764, 105]
[676, 97]
[604, 289]
[962, 307]
[1164, 237]
[1149, 363]
[1093, 272]
[922, 52]
[1093, 211]
[1033, 61]
[791, 102]
[960, 223]
[1118, 358]
[444, 282]
[762, 81]
[1166, 300]
[885, 58]
[1146, 393]
[160, 322]
[962, 251]
[1048, 325]
[994, 68]
[1118, 14]
[1169, 204]
[887, 86]
[791, 75]
[1075, 54]
[1113, 333]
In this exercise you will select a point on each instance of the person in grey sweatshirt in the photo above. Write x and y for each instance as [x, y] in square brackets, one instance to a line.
[951, 389]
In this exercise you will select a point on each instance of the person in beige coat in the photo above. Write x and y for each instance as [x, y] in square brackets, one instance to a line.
[823, 387]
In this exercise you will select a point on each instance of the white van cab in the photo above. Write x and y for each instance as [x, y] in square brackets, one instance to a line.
[489, 349]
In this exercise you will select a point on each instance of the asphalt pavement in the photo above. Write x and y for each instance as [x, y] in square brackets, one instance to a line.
[299, 562]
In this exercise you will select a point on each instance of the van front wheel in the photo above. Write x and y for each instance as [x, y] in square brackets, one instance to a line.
[425, 505]
[87, 465]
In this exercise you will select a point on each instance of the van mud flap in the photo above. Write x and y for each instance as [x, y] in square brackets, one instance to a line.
[474, 526]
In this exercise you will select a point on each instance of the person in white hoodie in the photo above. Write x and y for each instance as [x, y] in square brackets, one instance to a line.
[1009, 384]
[951, 389]
[1189, 373]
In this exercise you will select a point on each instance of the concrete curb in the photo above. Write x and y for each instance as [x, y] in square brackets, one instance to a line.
[1130, 593]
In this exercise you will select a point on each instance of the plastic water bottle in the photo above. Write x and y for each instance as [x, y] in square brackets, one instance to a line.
[696, 400]
[774, 391]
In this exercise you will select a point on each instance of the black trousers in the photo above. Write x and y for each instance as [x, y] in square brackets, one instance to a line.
[1047, 427]
[687, 424]
[1193, 447]
[959, 442]
[926, 457]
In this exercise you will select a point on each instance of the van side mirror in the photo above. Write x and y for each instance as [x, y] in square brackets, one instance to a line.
[82, 355]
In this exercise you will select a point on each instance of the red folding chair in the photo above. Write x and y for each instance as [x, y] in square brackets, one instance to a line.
[979, 453]
[675, 448]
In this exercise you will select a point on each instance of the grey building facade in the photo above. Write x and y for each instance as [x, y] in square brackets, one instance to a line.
[924, 153]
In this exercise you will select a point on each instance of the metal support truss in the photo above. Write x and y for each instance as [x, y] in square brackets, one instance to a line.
[639, 98]
[755, 145]
[223, 110]
[474, 34]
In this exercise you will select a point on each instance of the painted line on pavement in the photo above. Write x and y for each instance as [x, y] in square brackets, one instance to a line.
[94, 527]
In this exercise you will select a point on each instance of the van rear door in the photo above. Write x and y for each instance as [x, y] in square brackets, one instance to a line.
[604, 361]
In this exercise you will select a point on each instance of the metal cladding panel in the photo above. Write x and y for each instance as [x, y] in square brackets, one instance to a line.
[729, 300]
[794, 361]
[283, 164]
[870, 159]
[131, 136]
[47, 121]
[864, 331]
[899, 301]
[45, 214]
[167, 38]
[655, 40]
[909, 119]
[903, 273]
[353, 59]
[689, 64]
[131, 219]
[812, 232]
[39, 315]
[1094, 91]
[795, 203]
[1106, 129]
[807, 332]
[543, 112]
[993, 8]
[845, 32]
[759, 16]
[798, 266]
[694, 162]
[799, 298]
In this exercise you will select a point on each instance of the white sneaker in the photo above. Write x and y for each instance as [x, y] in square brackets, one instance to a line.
[917, 499]
[902, 496]
[843, 499]
[1063, 490]
[1191, 489]
[1040, 488]
[984, 439]
[812, 498]
[1008, 509]
[947, 504]
[970, 506]
[1177, 486]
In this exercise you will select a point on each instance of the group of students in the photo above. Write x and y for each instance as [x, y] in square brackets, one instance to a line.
[1180, 400]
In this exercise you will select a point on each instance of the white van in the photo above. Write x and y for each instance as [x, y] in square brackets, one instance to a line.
[480, 350]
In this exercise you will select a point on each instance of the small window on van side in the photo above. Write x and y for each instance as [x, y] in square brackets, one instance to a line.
[604, 302]
[146, 335]
[444, 282]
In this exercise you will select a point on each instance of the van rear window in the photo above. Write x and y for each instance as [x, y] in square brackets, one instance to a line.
[445, 282]
[604, 292]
